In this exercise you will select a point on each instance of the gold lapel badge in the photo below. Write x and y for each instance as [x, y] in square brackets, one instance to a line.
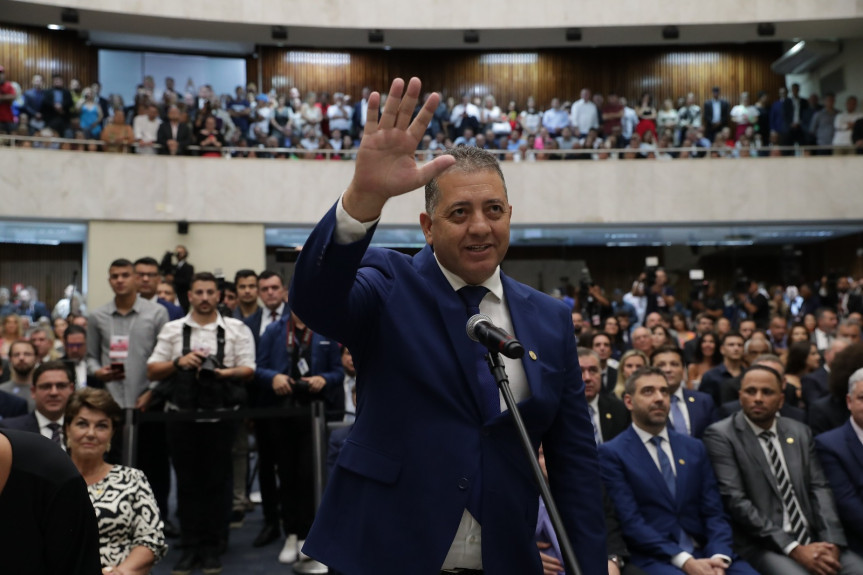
[691, 399]
[607, 416]
[681, 462]
[532, 355]
[789, 440]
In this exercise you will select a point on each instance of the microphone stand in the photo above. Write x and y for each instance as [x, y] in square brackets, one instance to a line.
[495, 365]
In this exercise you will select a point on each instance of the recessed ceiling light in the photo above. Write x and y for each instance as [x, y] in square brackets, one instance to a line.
[56, 27]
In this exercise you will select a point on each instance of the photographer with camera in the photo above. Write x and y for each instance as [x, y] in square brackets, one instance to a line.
[660, 295]
[203, 362]
[594, 306]
[753, 301]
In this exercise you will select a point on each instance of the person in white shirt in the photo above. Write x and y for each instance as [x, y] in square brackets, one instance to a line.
[627, 123]
[340, 114]
[555, 118]
[146, 129]
[584, 114]
[844, 124]
[464, 115]
[530, 118]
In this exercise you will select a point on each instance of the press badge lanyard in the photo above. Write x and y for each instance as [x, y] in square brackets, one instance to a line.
[118, 350]
[302, 364]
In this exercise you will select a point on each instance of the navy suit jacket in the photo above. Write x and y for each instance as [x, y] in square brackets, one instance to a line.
[841, 455]
[650, 517]
[11, 406]
[273, 358]
[26, 422]
[421, 449]
[815, 385]
[174, 311]
[702, 411]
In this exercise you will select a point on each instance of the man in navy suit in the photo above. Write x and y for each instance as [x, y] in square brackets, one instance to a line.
[434, 461]
[11, 406]
[816, 385]
[271, 288]
[664, 490]
[691, 411]
[52, 388]
[295, 366]
[841, 455]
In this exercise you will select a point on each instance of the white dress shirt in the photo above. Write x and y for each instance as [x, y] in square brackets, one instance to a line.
[239, 344]
[594, 415]
[681, 401]
[45, 431]
[267, 317]
[584, 116]
[466, 549]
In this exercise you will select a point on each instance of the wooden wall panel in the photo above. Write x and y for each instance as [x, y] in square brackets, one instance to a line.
[47, 268]
[25, 51]
[665, 72]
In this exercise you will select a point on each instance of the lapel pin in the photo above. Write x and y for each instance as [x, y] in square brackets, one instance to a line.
[681, 462]
[532, 355]
[789, 441]
[607, 416]
[691, 399]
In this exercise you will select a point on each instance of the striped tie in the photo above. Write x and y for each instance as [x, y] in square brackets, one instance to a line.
[56, 436]
[792, 506]
[596, 435]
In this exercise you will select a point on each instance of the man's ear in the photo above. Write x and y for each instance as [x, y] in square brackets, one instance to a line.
[426, 225]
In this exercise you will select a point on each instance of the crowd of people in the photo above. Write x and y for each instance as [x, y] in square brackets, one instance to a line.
[70, 373]
[196, 121]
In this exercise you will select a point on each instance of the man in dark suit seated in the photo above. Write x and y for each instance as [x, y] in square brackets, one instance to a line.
[691, 411]
[52, 388]
[841, 455]
[782, 511]
[663, 488]
[815, 385]
[772, 361]
[831, 411]
[607, 413]
[422, 381]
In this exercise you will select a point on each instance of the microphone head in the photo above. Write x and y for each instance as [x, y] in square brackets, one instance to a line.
[473, 322]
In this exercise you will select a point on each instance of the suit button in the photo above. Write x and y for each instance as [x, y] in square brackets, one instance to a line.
[463, 483]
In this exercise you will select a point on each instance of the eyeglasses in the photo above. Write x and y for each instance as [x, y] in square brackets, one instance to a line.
[50, 386]
[147, 275]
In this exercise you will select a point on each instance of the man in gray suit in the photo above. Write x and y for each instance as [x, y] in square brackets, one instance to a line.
[782, 511]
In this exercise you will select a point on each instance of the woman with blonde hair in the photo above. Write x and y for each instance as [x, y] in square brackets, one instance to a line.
[630, 362]
[13, 329]
[130, 529]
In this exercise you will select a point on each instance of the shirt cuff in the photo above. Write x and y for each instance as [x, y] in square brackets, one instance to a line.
[724, 558]
[791, 547]
[350, 230]
[681, 558]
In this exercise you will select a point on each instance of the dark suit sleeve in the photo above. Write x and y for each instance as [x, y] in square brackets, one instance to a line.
[334, 391]
[572, 462]
[265, 362]
[734, 493]
[614, 536]
[184, 140]
[72, 533]
[842, 478]
[716, 526]
[163, 134]
[821, 497]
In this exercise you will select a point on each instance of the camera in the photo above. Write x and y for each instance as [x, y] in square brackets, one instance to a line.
[207, 372]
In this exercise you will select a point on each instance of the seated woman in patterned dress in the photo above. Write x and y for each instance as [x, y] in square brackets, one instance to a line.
[130, 529]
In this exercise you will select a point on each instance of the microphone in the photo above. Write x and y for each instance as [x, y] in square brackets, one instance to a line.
[495, 339]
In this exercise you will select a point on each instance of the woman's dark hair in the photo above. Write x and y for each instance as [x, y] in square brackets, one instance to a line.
[845, 363]
[668, 339]
[616, 339]
[716, 358]
[798, 353]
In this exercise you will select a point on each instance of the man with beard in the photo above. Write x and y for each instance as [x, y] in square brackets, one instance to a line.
[22, 358]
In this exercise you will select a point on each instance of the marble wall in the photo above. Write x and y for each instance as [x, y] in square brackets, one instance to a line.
[83, 186]
[454, 14]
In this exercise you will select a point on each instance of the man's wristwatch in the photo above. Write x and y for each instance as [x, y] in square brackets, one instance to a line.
[616, 560]
[177, 363]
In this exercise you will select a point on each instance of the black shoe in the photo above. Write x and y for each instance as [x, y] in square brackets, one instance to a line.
[211, 564]
[237, 518]
[268, 534]
[187, 563]
[170, 530]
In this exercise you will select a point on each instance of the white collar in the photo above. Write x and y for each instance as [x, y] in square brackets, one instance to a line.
[493, 282]
[857, 429]
[220, 321]
[646, 436]
[758, 430]
[594, 403]
[44, 421]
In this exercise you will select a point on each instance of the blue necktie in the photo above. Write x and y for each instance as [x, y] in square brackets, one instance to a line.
[677, 416]
[665, 466]
[471, 296]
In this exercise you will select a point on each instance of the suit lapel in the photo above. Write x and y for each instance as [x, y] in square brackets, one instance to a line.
[682, 464]
[642, 460]
[752, 448]
[854, 445]
[523, 312]
[454, 318]
[792, 448]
